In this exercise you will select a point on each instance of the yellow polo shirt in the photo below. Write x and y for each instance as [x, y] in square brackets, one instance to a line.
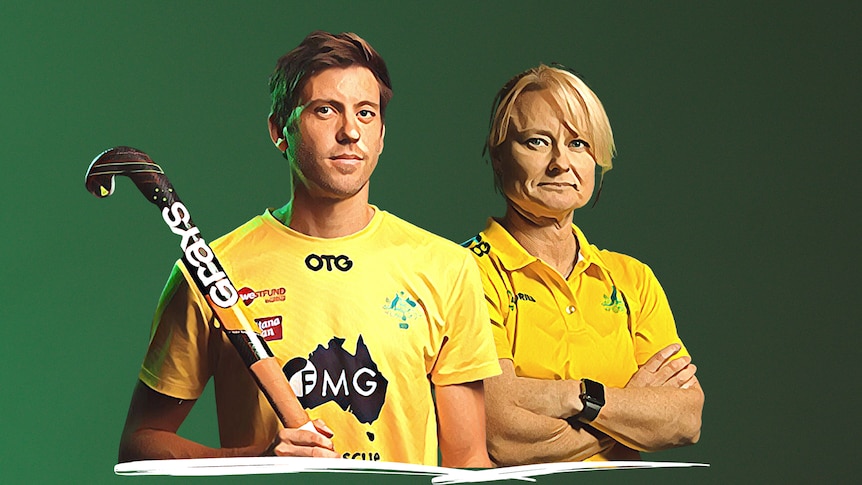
[603, 321]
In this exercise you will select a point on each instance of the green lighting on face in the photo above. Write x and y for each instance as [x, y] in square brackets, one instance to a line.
[291, 133]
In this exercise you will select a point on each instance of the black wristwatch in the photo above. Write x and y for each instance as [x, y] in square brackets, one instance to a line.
[593, 397]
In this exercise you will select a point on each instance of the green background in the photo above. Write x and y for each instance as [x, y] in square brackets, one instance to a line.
[736, 126]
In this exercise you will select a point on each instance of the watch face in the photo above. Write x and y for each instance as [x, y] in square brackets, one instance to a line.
[593, 392]
[593, 397]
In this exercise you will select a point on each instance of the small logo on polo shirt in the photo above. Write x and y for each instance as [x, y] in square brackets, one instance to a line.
[477, 245]
[515, 298]
[613, 303]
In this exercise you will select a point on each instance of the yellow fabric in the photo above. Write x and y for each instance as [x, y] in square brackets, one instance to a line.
[603, 321]
[413, 299]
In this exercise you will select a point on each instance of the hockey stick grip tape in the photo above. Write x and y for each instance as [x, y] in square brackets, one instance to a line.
[265, 369]
[268, 374]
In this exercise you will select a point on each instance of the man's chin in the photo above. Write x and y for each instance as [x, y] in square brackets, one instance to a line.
[336, 192]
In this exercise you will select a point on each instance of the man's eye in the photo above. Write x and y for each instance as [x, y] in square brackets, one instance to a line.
[579, 144]
[367, 113]
[323, 110]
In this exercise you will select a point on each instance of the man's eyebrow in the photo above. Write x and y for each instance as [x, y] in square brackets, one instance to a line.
[369, 103]
[323, 101]
[340, 105]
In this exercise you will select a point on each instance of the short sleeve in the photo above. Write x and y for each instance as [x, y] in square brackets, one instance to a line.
[179, 361]
[653, 326]
[467, 353]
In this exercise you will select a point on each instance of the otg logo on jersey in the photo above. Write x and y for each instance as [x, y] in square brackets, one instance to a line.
[317, 262]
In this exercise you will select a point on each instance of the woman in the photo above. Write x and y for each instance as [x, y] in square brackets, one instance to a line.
[592, 364]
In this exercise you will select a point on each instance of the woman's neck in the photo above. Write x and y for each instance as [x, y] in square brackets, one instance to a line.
[550, 240]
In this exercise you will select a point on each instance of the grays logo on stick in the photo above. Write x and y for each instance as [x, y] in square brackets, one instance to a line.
[198, 254]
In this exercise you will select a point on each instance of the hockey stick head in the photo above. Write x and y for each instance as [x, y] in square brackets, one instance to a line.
[134, 164]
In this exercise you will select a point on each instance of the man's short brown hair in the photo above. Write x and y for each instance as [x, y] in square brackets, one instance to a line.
[317, 52]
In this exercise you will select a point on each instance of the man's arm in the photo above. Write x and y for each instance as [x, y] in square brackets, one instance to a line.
[151, 428]
[461, 425]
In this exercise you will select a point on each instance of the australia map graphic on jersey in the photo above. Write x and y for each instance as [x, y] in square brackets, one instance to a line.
[332, 374]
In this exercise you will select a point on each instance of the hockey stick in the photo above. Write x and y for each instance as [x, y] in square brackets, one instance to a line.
[206, 271]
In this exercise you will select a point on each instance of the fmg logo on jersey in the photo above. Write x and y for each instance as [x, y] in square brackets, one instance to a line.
[331, 373]
[270, 296]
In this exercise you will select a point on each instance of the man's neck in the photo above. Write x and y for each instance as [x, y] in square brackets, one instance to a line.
[327, 218]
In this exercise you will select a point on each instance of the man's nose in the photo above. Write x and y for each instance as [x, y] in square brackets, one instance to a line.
[349, 131]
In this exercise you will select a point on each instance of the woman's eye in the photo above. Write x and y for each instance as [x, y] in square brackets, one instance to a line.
[536, 142]
[579, 144]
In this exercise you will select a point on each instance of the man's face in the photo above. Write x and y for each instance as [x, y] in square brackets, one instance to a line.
[340, 134]
[546, 169]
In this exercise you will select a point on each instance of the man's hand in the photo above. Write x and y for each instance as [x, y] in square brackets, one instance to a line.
[301, 442]
[659, 371]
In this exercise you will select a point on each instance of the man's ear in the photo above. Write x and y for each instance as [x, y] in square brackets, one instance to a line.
[382, 135]
[276, 134]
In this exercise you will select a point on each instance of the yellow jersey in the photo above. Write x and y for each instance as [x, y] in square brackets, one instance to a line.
[363, 325]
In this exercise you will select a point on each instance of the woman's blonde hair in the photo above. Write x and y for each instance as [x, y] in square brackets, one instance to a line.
[585, 114]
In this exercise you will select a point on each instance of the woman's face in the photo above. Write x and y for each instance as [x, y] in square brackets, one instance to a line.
[546, 169]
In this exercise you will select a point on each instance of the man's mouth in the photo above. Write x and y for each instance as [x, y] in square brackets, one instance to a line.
[347, 162]
[346, 156]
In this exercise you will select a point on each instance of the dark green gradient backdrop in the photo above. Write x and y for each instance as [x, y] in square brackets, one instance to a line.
[736, 181]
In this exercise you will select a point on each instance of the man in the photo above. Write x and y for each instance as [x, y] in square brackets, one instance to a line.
[361, 307]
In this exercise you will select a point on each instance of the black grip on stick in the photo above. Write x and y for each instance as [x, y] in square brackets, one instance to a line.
[136, 165]
[198, 258]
